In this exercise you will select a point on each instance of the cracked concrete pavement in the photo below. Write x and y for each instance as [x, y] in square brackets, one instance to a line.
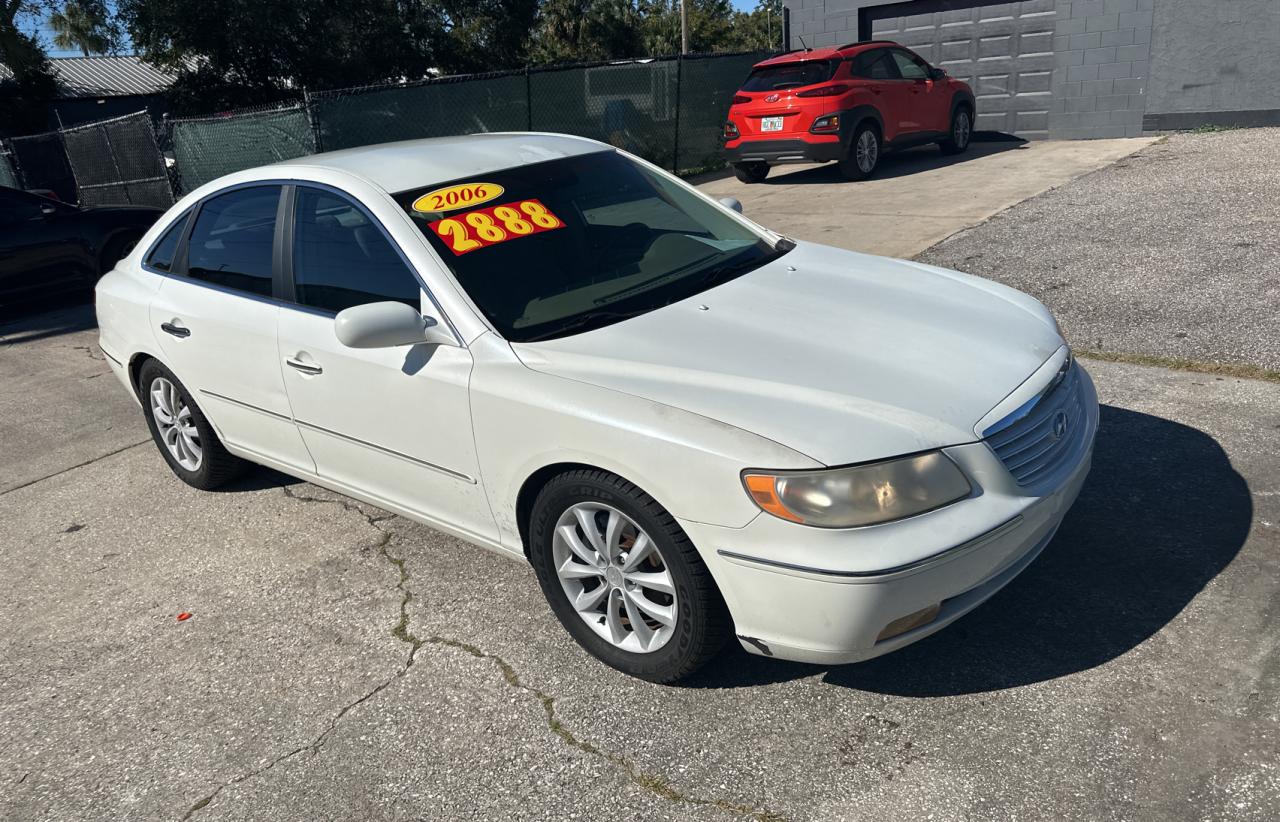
[345, 663]
[342, 662]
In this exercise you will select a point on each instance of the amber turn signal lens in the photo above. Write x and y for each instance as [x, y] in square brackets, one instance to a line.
[763, 490]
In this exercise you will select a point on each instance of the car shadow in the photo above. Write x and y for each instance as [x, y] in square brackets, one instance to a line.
[1161, 515]
[49, 317]
[898, 163]
[258, 478]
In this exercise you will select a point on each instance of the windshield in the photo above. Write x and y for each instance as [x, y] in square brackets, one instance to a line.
[790, 75]
[568, 245]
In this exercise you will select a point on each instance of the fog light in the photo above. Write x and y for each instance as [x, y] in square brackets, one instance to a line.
[910, 622]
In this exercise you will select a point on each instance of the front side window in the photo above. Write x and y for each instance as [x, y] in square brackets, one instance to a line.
[567, 245]
[341, 259]
[875, 64]
[163, 252]
[790, 75]
[232, 238]
[910, 66]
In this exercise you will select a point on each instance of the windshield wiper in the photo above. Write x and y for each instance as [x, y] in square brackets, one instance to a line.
[589, 318]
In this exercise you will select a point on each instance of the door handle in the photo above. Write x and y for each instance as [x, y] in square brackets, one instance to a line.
[305, 367]
[176, 329]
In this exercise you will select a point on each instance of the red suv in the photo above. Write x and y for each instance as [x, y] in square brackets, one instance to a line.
[848, 104]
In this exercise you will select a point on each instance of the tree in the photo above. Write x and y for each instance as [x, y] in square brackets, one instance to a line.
[711, 24]
[85, 25]
[483, 35]
[229, 53]
[23, 97]
[569, 30]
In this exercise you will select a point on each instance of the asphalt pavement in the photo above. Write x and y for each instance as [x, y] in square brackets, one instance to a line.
[344, 663]
[1171, 252]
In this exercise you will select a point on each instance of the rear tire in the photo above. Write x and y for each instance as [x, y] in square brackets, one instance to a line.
[182, 433]
[863, 154]
[629, 577]
[115, 251]
[961, 132]
[750, 173]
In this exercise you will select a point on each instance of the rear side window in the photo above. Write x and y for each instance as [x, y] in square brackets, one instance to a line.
[163, 252]
[790, 75]
[341, 259]
[232, 237]
[875, 65]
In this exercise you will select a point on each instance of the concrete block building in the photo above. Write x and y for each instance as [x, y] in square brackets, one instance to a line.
[1079, 68]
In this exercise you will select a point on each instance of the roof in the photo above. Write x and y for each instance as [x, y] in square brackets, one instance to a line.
[122, 76]
[413, 164]
[823, 53]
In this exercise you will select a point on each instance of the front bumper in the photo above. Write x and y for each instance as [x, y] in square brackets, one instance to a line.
[816, 150]
[825, 596]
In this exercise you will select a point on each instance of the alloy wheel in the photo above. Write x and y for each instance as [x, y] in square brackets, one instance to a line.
[176, 425]
[867, 151]
[615, 577]
[961, 130]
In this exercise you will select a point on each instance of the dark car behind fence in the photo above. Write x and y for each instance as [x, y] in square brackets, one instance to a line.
[668, 110]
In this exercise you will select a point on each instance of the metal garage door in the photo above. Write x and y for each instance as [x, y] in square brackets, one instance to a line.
[1003, 50]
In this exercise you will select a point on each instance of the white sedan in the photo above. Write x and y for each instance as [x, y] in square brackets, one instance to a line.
[690, 426]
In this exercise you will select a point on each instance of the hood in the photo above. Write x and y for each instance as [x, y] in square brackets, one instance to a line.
[841, 356]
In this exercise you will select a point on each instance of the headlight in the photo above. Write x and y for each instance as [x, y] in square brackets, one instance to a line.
[861, 494]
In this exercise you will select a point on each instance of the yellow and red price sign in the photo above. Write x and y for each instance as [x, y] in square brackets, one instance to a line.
[473, 230]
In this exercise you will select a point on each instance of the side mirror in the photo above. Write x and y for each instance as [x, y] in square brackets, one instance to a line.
[731, 202]
[937, 74]
[387, 325]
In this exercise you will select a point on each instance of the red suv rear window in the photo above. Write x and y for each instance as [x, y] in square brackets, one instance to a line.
[790, 75]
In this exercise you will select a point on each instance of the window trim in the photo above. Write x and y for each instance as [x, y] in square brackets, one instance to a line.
[288, 291]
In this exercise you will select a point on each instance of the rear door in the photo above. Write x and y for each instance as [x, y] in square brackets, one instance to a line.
[41, 249]
[926, 110]
[393, 422]
[215, 316]
[878, 71]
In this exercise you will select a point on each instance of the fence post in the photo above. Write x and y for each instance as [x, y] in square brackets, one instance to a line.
[528, 98]
[675, 155]
[311, 120]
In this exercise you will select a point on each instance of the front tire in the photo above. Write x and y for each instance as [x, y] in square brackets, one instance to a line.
[182, 433]
[961, 132]
[623, 578]
[750, 173]
[863, 155]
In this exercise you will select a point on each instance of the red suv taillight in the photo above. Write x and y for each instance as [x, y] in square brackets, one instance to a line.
[730, 131]
[824, 91]
[741, 98]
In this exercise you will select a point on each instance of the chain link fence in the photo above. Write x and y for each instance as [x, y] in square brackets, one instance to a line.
[669, 110]
[433, 108]
[42, 163]
[117, 162]
[205, 148]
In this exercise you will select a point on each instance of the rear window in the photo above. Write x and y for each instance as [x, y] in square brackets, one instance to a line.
[790, 75]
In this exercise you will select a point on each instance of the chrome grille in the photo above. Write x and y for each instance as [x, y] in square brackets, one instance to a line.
[1034, 445]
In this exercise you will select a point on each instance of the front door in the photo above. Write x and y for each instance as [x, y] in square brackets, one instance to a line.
[921, 112]
[392, 422]
[216, 325]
